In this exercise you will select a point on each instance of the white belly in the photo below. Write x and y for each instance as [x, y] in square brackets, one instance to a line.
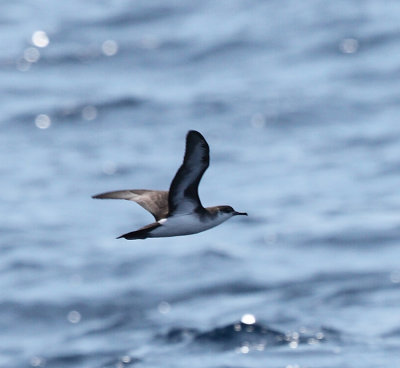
[183, 225]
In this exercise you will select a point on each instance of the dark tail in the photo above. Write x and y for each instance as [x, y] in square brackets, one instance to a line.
[133, 235]
[142, 233]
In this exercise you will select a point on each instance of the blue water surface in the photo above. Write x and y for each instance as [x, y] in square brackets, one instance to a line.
[299, 102]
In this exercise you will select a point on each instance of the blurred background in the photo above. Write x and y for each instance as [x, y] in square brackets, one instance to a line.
[299, 102]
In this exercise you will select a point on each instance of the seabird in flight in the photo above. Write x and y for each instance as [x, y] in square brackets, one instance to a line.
[179, 210]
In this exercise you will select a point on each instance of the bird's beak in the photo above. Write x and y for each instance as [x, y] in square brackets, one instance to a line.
[239, 213]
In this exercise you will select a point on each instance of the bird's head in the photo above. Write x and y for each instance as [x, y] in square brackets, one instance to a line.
[229, 211]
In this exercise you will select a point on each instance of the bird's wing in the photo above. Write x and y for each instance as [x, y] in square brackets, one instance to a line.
[154, 201]
[183, 193]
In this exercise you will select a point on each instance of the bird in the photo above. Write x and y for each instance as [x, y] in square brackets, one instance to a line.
[178, 211]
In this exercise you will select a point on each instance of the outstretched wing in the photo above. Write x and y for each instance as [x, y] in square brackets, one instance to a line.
[183, 192]
[154, 201]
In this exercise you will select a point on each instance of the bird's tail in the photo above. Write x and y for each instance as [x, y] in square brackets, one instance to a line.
[142, 233]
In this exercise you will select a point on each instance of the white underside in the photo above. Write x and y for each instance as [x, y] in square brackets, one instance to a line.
[185, 225]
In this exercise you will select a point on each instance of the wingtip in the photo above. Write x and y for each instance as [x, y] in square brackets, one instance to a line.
[105, 195]
[194, 133]
[193, 137]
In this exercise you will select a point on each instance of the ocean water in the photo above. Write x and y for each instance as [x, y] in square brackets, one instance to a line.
[299, 102]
